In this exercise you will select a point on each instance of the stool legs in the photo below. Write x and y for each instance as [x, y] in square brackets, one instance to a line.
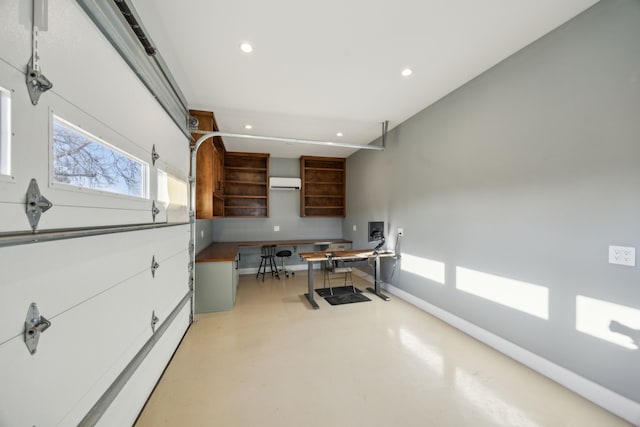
[267, 260]
[262, 263]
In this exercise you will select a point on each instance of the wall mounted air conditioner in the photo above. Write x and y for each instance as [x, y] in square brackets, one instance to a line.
[277, 183]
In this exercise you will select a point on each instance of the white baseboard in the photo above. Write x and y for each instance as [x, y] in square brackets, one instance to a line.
[621, 406]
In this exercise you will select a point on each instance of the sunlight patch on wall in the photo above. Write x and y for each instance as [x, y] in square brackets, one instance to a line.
[611, 322]
[526, 297]
[490, 404]
[427, 268]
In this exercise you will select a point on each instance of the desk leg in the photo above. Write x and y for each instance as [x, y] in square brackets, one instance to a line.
[310, 283]
[376, 282]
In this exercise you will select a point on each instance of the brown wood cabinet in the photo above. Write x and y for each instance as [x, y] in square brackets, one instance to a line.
[246, 185]
[209, 169]
[323, 186]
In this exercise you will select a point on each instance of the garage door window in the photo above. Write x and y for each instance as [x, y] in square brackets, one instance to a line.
[83, 160]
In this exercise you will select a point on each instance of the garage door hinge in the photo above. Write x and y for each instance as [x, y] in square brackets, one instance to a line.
[154, 155]
[37, 204]
[154, 321]
[154, 266]
[34, 325]
[154, 210]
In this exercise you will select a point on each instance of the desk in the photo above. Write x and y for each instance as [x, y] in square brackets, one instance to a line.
[226, 251]
[345, 255]
[217, 270]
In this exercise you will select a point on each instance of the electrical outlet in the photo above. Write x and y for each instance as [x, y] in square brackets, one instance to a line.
[622, 255]
[400, 231]
[202, 234]
[276, 228]
[354, 227]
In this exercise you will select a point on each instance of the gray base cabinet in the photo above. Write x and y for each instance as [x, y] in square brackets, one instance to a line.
[216, 286]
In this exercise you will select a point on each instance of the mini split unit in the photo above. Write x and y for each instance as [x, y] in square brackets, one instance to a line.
[276, 183]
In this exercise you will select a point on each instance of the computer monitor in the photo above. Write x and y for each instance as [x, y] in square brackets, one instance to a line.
[376, 231]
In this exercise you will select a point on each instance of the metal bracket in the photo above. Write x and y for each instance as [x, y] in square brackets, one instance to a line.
[385, 127]
[154, 321]
[154, 155]
[37, 204]
[37, 83]
[34, 325]
[154, 266]
[154, 210]
[193, 123]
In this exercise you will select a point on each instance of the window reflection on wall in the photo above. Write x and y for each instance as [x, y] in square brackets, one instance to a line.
[526, 297]
[608, 321]
[424, 267]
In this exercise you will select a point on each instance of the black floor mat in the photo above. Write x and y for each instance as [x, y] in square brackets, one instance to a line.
[337, 290]
[346, 298]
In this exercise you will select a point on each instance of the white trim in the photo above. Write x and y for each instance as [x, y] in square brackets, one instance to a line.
[609, 400]
[5, 134]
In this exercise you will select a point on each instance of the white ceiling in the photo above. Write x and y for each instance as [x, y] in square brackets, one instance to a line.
[319, 68]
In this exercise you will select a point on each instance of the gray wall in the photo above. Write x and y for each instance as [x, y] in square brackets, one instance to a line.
[284, 211]
[528, 172]
[204, 233]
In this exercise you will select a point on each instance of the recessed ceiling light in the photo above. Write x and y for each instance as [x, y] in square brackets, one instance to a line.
[407, 72]
[339, 134]
[248, 127]
[246, 47]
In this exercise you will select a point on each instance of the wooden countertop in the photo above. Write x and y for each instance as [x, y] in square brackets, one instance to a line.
[344, 254]
[226, 251]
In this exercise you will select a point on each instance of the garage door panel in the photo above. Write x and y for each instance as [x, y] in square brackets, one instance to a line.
[170, 283]
[89, 342]
[126, 407]
[168, 241]
[72, 207]
[61, 274]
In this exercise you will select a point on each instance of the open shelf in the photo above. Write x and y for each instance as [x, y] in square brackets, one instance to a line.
[323, 186]
[246, 177]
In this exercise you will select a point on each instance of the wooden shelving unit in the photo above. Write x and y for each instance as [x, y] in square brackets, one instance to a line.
[323, 187]
[209, 170]
[246, 185]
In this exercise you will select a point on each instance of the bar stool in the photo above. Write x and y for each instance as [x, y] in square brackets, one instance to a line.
[285, 253]
[268, 257]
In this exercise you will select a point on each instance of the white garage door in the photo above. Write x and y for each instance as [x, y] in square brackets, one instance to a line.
[88, 145]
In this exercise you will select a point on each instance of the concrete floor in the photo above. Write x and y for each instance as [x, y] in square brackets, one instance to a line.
[273, 361]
